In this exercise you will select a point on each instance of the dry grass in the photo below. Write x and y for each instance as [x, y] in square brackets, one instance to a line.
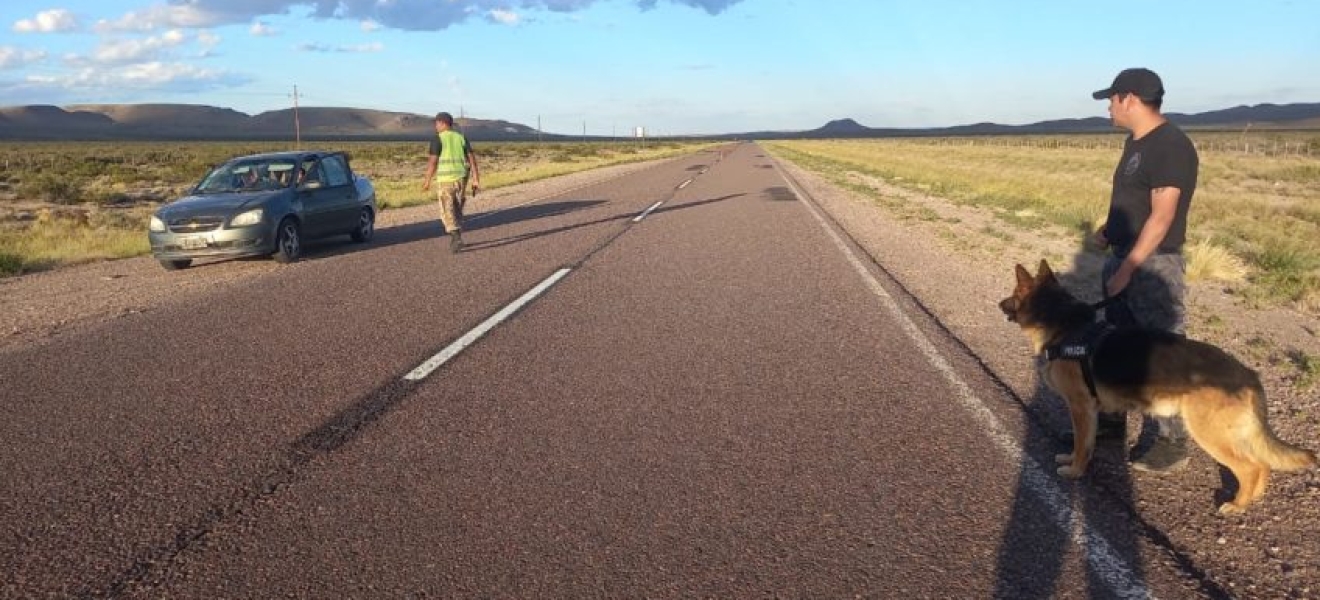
[65, 203]
[1255, 220]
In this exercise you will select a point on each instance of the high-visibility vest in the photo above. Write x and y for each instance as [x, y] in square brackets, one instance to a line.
[452, 165]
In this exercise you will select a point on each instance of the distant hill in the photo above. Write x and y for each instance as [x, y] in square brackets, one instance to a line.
[1260, 116]
[200, 122]
[191, 121]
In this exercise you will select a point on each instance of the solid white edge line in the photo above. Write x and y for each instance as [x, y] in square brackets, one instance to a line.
[1111, 567]
[453, 349]
[638, 218]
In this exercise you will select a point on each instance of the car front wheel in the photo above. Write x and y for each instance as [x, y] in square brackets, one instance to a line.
[366, 226]
[288, 241]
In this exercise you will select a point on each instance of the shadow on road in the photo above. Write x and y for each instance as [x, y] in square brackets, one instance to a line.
[1097, 512]
[1052, 513]
[522, 237]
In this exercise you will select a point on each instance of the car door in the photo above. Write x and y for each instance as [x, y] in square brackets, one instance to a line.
[318, 211]
[339, 193]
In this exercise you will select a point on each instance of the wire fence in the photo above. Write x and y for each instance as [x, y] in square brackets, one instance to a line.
[1302, 146]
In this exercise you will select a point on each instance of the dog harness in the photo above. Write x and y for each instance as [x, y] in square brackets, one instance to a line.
[1080, 346]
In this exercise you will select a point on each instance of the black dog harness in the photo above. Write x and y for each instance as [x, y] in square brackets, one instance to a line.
[1080, 346]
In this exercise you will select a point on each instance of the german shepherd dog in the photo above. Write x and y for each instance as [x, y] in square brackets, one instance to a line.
[1220, 399]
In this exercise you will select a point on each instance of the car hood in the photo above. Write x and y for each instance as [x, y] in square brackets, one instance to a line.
[216, 204]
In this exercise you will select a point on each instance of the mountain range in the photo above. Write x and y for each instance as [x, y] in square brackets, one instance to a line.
[199, 122]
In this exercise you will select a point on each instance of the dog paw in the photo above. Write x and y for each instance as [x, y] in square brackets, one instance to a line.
[1070, 472]
[1229, 509]
[1063, 459]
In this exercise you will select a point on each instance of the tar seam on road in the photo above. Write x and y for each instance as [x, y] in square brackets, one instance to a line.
[475, 334]
[1104, 561]
[638, 218]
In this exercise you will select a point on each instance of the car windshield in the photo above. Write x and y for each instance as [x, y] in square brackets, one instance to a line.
[248, 176]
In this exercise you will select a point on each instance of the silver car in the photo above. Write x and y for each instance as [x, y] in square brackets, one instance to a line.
[264, 204]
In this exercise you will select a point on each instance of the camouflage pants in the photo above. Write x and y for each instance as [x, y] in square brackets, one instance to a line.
[452, 198]
[1153, 299]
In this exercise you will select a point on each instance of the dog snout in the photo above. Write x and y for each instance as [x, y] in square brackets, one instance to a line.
[1010, 307]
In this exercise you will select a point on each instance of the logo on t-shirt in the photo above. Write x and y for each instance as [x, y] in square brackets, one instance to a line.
[1132, 164]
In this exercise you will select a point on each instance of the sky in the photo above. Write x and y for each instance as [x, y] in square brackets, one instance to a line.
[675, 67]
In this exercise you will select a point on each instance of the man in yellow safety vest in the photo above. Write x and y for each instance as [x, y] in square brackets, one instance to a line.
[451, 166]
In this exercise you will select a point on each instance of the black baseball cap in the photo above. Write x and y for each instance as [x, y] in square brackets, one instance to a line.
[1142, 82]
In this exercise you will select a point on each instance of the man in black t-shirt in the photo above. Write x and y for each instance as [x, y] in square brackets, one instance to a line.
[1147, 225]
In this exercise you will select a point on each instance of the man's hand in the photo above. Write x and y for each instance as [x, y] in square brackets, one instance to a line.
[1098, 241]
[426, 184]
[476, 186]
[1120, 280]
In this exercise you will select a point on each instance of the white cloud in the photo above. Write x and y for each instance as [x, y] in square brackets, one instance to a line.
[12, 58]
[189, 16]
[147, 76]
[261, 29]
[207, 39]
[48, 21]
[136, 50]
[505, 17]
[409, 15]
[353, 49]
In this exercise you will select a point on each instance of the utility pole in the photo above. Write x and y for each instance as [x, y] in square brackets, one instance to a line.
[297, 127]
[538, 130]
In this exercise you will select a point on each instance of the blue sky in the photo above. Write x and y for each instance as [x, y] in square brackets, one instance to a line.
[674, 66]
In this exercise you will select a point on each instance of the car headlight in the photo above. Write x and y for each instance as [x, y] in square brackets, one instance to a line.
[156, 225]
[251, 217]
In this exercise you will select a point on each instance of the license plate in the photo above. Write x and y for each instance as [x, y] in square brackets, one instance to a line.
[192, 243]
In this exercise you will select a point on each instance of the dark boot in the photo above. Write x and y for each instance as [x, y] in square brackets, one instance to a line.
[456, 242]
[1164, 456]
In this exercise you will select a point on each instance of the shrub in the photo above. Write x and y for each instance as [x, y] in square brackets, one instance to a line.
[10, 264]
[51, 188]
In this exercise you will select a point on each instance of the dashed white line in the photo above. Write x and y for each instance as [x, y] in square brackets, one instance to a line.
[684, 184]
[1105, 562]
[638, 218]
[453, 349]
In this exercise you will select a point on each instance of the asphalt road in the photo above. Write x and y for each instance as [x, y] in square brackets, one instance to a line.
[684, 382]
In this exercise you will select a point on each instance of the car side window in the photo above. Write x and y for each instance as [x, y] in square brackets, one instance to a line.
[309, 175]
[335, 171]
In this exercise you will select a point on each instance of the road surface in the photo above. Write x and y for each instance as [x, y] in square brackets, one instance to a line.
[685, 382]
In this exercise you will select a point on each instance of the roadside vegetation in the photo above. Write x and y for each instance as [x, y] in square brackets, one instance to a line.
[64, 203]
[1255, 222]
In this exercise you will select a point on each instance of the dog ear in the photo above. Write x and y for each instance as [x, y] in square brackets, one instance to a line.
[1043, 273]
[1023, 276]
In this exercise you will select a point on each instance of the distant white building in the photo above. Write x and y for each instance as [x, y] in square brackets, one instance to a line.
[641, 132]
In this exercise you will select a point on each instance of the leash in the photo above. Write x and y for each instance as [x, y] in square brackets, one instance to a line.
[1107, 301]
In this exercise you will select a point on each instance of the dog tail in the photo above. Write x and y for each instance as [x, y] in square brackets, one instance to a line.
[1267, 447]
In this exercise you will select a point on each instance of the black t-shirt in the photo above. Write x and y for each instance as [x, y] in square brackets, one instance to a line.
[1165, 157]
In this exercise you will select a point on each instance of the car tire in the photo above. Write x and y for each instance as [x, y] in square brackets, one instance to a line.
[288, 241]
[366, 226]
[176, 265]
